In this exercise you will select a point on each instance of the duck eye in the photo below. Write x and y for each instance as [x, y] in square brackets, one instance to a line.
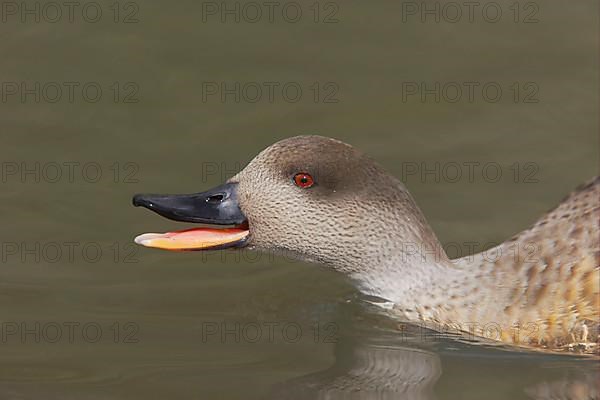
[303, 180]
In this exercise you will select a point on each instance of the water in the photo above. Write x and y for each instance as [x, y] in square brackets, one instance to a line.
[86, 315]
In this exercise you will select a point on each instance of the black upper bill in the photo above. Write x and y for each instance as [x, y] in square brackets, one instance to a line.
[218, 206]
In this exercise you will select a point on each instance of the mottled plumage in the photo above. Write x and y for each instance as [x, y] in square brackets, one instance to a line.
[546, 279]
[540, 288]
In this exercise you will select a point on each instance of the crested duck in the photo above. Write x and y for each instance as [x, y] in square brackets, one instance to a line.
[323, 201]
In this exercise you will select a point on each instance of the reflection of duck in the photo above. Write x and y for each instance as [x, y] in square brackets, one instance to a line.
[366, 370]
[584, 388]
[376, 365]
[323, 201]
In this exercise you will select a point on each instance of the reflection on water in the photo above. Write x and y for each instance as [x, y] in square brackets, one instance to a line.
[367, 370]
[377, 364]
[584, 387]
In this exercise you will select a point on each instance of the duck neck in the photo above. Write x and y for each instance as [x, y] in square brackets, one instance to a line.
[408, 267]
[407, 278]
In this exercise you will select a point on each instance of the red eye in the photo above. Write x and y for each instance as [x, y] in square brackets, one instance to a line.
[303, 180]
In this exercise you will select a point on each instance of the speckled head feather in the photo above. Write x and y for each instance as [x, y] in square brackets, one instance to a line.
[353, 214]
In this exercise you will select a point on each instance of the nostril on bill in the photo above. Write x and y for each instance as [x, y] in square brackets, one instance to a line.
[215, 198]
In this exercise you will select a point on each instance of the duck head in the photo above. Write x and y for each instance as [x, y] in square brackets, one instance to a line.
[315, 198]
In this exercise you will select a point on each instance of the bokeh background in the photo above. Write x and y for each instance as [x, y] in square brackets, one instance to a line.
[148, 113]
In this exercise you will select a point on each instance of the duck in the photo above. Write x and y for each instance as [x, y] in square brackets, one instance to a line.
[322, 201]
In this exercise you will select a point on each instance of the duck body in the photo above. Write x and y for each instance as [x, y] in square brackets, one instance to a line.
[323, 201]
[540, 288]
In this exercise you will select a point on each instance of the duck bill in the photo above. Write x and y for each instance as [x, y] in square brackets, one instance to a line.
[216, 207]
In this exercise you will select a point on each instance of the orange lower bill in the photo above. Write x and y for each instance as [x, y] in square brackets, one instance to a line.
[193, 239]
